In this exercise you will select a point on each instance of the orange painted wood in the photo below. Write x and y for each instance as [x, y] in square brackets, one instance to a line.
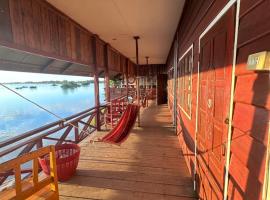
[250, 152]
[251, 108]
[252, 120]
[254, 22]
[252, 89]
[254, 46]
[247, 184]
[234, 192]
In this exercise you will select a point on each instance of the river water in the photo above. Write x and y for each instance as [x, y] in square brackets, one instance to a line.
[18, 116]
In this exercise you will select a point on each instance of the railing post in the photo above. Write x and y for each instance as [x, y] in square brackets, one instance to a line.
[76, 132]
[136, 38]
[96, 84]
[97, 103]
[107, 77]
[126, 76]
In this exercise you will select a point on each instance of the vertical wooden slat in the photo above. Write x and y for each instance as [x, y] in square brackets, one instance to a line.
[96, 83]
[39, 144]
[107, 78]
[138, 79]
[62, 36]
[18, 184]
[16, 21]
[5, 23]
[68, 38]
[76, 132]
[37, 23]
[45, 30]
[53, 172]
[35, 171]
[27, 19]
[53, 19]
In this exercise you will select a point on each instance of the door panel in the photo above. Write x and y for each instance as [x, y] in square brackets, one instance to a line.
[214, 94]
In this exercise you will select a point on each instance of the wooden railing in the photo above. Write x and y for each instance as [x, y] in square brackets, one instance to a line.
[116, 107]
[26, 188]
[71, 129]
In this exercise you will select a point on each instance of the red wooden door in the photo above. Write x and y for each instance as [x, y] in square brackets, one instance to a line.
[216, 55]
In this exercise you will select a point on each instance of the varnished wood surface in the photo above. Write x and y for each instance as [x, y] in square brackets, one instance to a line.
[149, 165]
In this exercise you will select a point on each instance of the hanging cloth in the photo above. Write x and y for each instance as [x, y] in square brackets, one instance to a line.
[123, 128]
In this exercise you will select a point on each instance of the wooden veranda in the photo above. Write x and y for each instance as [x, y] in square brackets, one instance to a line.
[208, 60]
[149, 165]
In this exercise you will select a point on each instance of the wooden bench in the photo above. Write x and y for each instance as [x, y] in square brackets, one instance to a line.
[36, 186]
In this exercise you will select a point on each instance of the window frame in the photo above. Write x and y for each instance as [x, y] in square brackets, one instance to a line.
[182, 90]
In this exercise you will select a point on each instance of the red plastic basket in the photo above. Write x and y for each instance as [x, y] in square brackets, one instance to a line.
[67, 158]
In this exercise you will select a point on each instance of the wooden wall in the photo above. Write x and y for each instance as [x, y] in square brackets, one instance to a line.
[37, 27]
[251, 104]
[251, 109]
[152, 69]
[114, 60]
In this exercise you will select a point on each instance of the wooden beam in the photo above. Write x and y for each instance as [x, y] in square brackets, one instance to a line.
[126, 76]
[136, 38]
[96, 83]
[117, 76]
[17, 66]
[68, 65]
[107, 75]
[101, 73]
[48, 64]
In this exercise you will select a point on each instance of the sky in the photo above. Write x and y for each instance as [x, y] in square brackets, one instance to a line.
[9, 77]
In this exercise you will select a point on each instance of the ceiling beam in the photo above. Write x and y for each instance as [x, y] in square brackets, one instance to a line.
[117, 76]
[101, 73]
[68, 65]
[48, 64]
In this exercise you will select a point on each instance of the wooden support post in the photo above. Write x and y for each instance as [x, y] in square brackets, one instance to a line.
[97, 103]
[136, 38]
[107, 77]
[147, 91]
[96, 84]
[126, 77]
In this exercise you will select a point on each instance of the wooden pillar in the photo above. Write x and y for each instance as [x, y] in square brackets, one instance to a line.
[138, 78]
[96, 83]
[107, 77]
[147, 93]
[126, 76]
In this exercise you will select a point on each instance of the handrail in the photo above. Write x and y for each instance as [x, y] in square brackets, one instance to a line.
[67, 127]
[42, 128]
[45, 127]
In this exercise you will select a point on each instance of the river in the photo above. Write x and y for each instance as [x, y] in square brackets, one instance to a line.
[18, 115]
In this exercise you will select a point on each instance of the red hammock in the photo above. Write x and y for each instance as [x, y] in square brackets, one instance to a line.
[121, 131]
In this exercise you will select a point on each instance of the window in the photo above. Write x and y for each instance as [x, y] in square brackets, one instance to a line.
[185, 66]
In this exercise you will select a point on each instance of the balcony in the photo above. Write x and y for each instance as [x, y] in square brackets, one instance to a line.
[149, 165]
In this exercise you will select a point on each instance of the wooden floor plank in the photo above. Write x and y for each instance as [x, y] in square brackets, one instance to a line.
[149, 165]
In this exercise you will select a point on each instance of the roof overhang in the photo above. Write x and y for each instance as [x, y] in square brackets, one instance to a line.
[117, 21]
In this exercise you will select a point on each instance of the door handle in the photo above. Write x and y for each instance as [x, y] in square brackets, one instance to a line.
[226, 121]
